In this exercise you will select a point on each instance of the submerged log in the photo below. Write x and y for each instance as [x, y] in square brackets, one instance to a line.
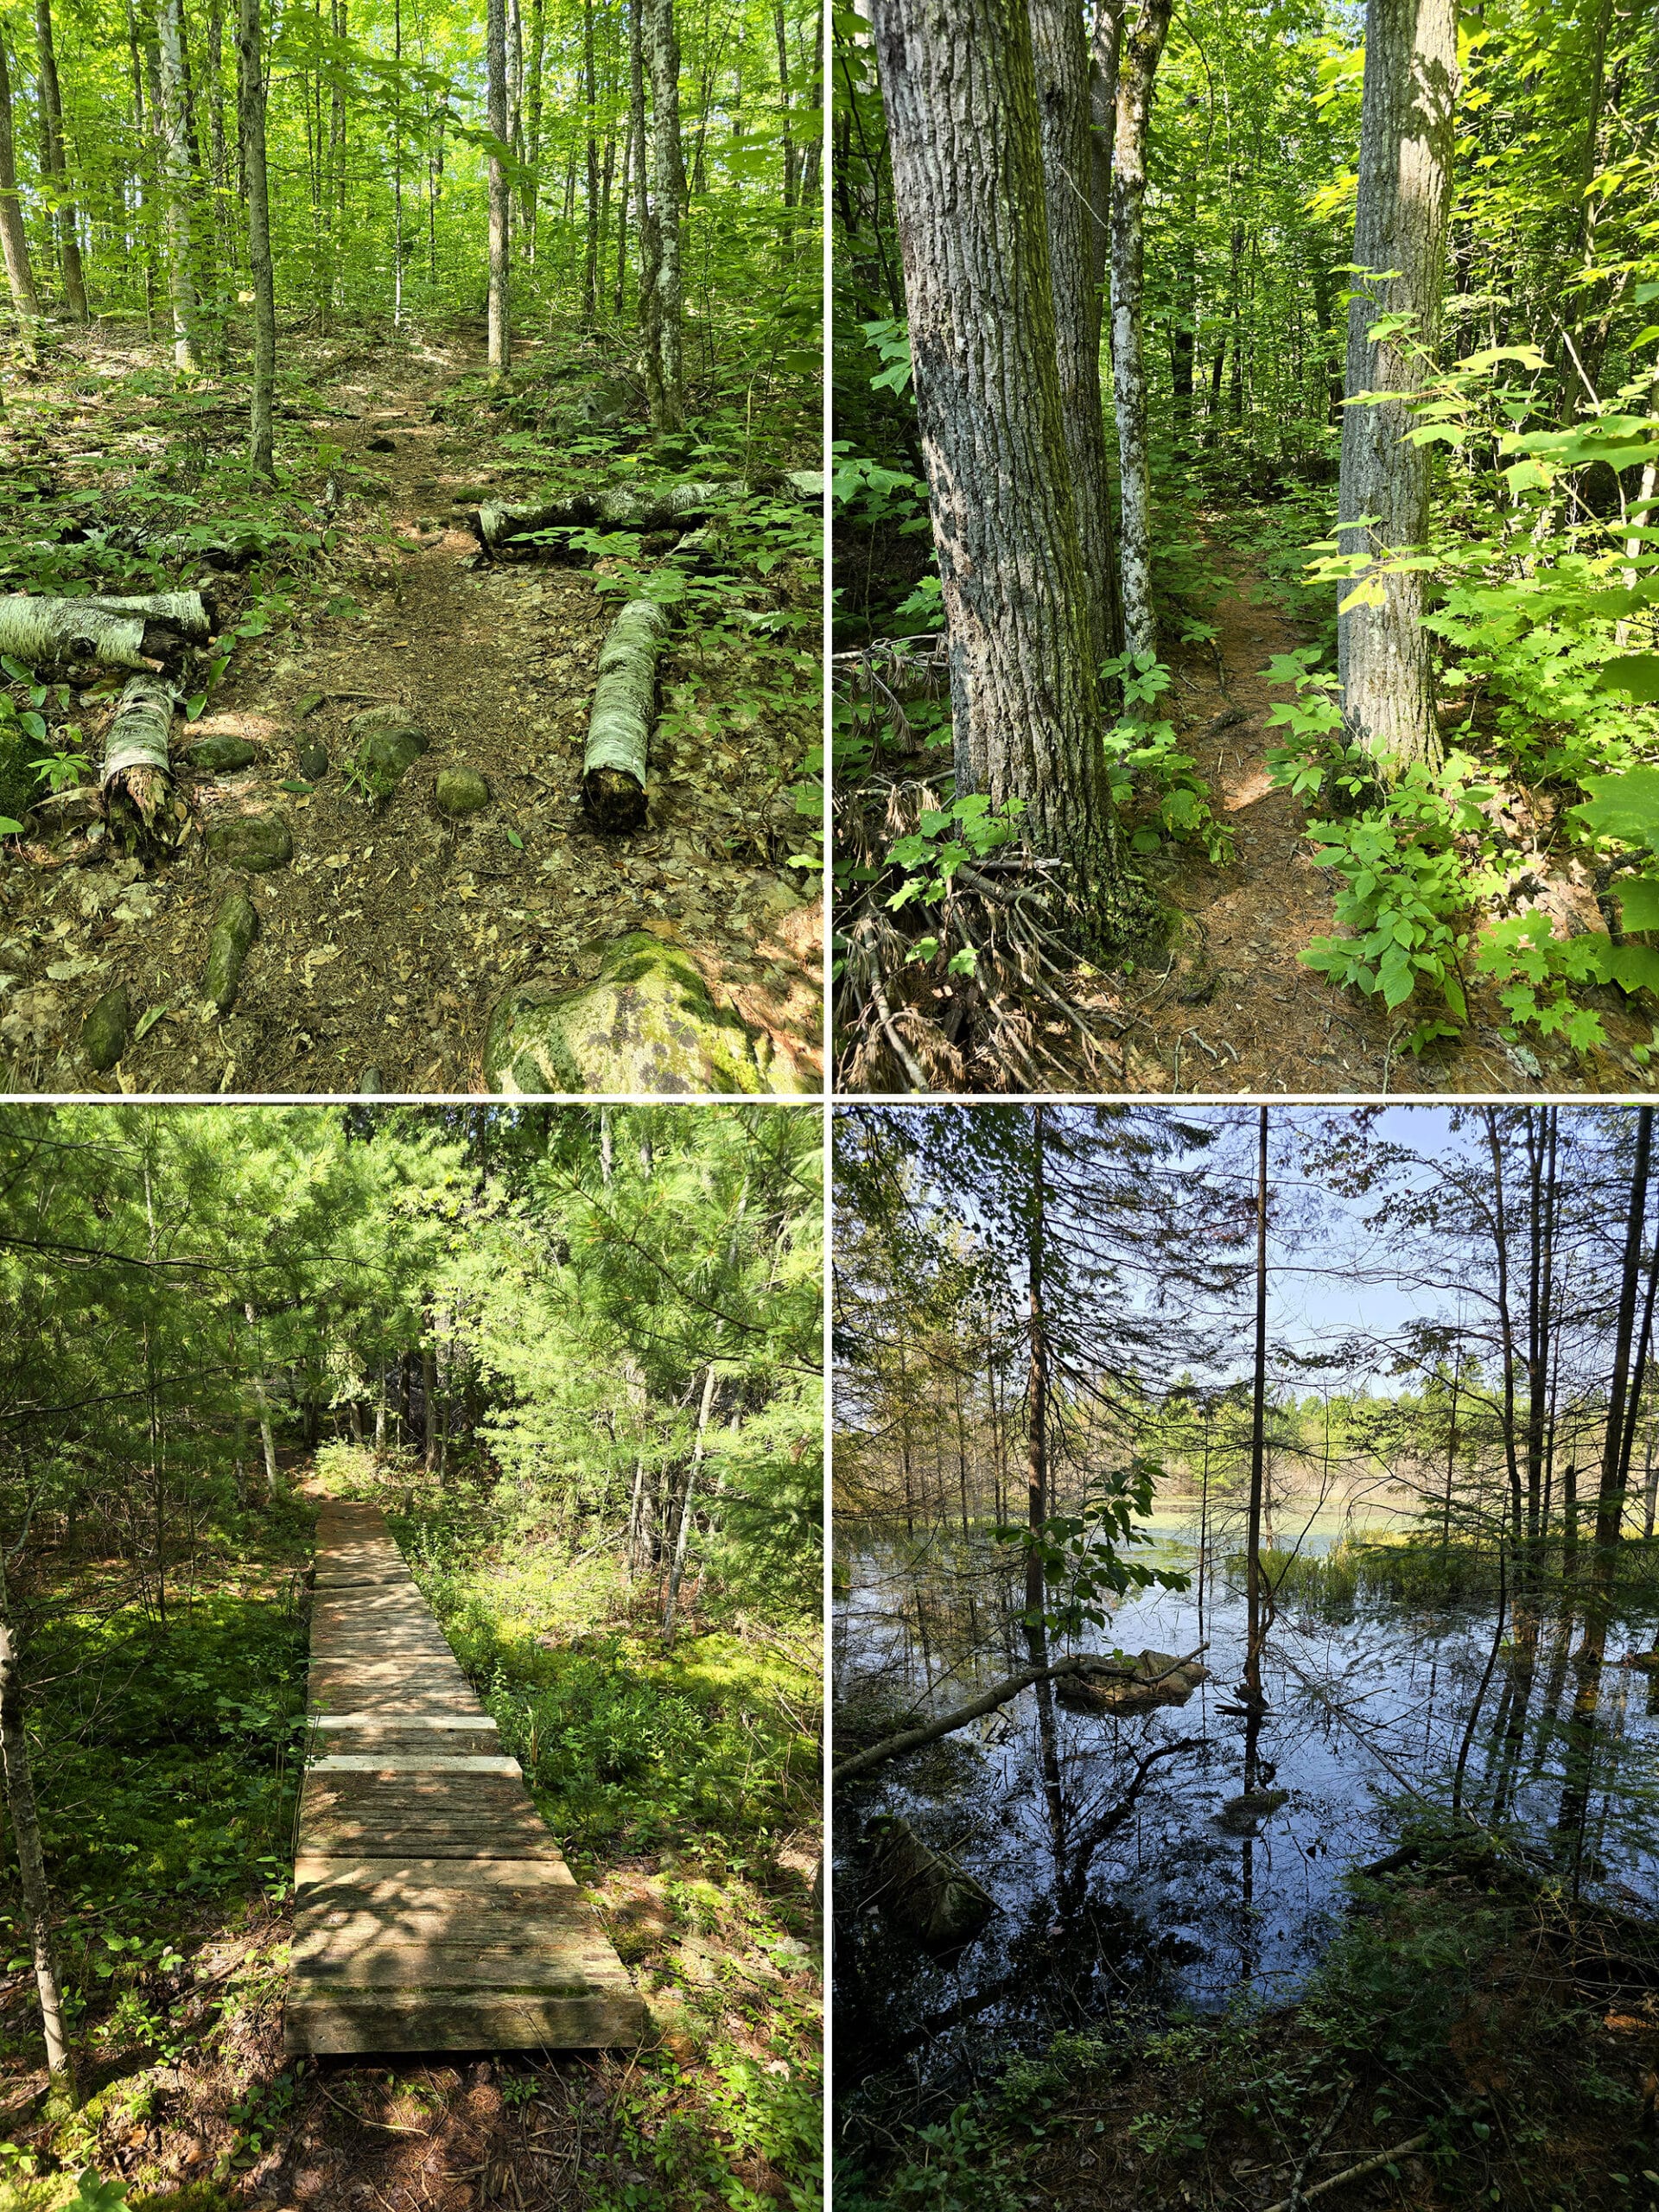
[136, 779]
[923, 1890]
[500, 527]
[120, 632]
[624, 709]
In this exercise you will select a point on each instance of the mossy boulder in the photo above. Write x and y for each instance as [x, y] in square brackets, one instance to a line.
[1242, 1816]
[606, 404]
[460, 790]
[1155, 1678]
[219, 754]
[388, 746]
[104, 1033]
[253, 842]
[235, 927]
[313, 761]
[647, 1023]
[923, 1890]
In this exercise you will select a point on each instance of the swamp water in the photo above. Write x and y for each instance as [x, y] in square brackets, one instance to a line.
[1161, 1905]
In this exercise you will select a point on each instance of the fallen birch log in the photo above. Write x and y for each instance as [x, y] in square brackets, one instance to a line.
[625, 707]
[500, 528]
[136, 778]
[120, 632]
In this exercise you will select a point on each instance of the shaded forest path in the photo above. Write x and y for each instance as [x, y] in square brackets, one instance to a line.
[384, 945]
[1245, 1014]
[433, 1910]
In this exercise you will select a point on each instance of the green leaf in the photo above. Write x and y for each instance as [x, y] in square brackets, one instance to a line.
[15, 670]
[1638, 899]
[1634, 968]
[1625, 807]
[515, 841]
[1636, 673]
[8, 827]
[193, 707]
[33, 724]
[148, 1022]
[305, 790]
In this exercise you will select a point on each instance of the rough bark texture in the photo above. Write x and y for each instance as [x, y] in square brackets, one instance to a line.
[1061, 60]
[499, 526]
[135, 752]
[1404, 159]
[650, 319]
[625, 708]
[251, 127]
[14, 239]
[31, 1859]
[960, 96]
[1136, 68]
[668, 192]
[120, 632]
[74, 285]
[175, 161]
[500, 347]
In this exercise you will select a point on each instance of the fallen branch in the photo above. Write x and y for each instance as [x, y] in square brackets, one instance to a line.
[500, 527]
[625, 709]
[136, 779]
[1354, 2173]
[120, 632]
[910, 1740]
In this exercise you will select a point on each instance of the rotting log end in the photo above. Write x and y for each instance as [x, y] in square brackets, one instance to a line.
[614, 801]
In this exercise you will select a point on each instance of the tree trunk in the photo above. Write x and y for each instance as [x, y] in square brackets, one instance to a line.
[1254, 1635]
[266, 1440]
[1404, 159]
[31, 1859]
[64, 214]
[428, 1408]
[250, 138]
[120, 632]
[1061, 62]
[1620, 1430]
[1136, 70]
[175, 162]
[677, 1569]
[528, 191]
[651, 311]
[500, 339]
[668, 193]
[590, 227]
[960, 96]
[1036, 1399]
[14, 239]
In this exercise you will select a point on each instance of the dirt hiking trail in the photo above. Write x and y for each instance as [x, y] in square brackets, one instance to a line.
[385, 943]
[1241, 1013]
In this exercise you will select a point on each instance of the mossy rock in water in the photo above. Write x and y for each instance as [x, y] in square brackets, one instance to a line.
[221, 753]
[460, 790]
[647, 1023]
[253, 842]
[1243, 1815]
[388, 748]
[1156, 1678]
[923, 1890]
[104, 1033]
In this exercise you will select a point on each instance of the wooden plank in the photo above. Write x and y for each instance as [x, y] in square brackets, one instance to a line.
[389, 2021]
[433, 1880]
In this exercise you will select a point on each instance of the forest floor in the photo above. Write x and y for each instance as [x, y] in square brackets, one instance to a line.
[384, 944]
[175, 1870]
[1267, 1022]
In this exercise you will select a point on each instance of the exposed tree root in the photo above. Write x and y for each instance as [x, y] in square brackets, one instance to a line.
[965, 994]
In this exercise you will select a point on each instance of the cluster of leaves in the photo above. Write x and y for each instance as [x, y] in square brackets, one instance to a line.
[1144, 752]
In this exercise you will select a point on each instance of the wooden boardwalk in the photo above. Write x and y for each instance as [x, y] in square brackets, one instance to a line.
[433, 1910]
